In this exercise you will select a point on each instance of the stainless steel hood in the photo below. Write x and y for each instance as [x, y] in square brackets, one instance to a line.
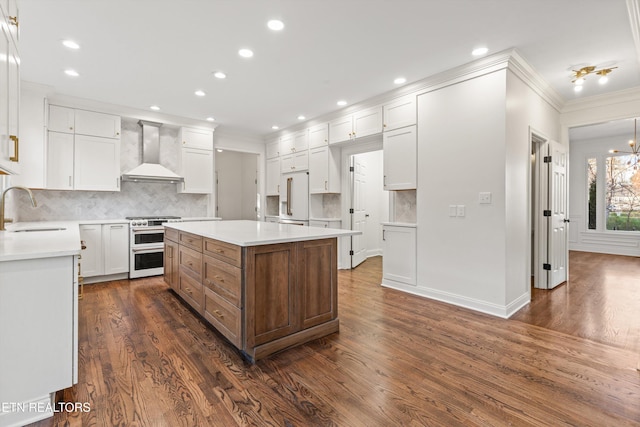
[151, 170]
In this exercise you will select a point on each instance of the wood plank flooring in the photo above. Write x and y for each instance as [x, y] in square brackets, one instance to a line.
[399, 359]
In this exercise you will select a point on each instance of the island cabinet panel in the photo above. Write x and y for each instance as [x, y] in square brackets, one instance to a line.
[191, 240]
[191, 262]
[225, 317]
[224, 279]
[223, 251]
[318, 279]
[270, 311]
[171, 264]
[191, 290]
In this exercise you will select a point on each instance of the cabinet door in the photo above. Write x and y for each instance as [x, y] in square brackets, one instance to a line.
[273, 176]
[317, 281]
[14, 109]
[301, 141]
[367, 122]
[400, 113]
[197, 138]
[9, 85]
[91, 261]
[301, 161]
[399, 150]
[59, 150]
[61, 119]
[171, 264]
[286, 144]
[12, 15]
[96, 163]
[286, 164]
[197, 170]
[115, 248]
[341, 129]
[32, 137]
[97, 124]
[273, 149]
[319, 170]
[399, 254]
[319, 135]
[270, 281]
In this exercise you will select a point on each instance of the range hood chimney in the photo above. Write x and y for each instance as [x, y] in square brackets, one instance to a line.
[151, 170]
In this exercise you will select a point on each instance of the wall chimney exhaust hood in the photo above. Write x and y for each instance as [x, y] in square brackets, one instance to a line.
[151, 170]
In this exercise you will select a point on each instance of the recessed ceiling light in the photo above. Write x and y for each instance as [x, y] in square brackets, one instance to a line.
[479, 51]
[71, 44]
[577, 88]
[219, 75]
[155, 108]
[245, 53]
[211, 119]
[275, 127]
[301, 117]
[275, 25]
[72, 73]
[199, 93]
[400, 80]
[341, 103]
[219, 150]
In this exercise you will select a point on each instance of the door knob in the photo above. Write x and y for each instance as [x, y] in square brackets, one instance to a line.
[566, 220]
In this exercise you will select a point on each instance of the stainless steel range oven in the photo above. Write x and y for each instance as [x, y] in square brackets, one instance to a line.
[147, 245]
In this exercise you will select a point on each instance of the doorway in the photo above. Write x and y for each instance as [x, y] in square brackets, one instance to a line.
[236, 185]
[369, 204]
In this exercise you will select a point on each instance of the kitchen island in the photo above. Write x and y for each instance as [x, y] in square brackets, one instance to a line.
[264, 286]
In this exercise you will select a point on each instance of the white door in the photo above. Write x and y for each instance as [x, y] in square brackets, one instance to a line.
[558, 253]
[358, 216]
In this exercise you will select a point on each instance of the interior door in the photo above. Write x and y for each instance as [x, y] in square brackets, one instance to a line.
[358, 216]
[557, 239]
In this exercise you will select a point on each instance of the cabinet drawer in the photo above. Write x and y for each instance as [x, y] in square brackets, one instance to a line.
[224, 317]
[191, 262]
[191, 240]
[224, 279]
[172, 234]
[223, 251]
[191, 290]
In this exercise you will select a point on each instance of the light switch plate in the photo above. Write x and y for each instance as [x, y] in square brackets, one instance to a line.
[484, 198]
[460, 210]
[453, 210]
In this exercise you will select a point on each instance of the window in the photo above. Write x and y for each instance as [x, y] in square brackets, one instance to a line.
[622, 195]
[592, 170]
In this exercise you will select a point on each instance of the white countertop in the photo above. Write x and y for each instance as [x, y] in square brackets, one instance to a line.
[18, 245]
[253, 233]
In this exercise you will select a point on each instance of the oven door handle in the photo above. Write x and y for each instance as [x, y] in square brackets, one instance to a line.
[147, 230]
[158, 249]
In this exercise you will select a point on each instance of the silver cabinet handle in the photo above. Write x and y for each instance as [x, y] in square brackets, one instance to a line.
[289, 181]
[383, 235]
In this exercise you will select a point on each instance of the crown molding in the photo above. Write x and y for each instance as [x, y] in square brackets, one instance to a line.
[599, 101]
[506, 59]
[633, 9]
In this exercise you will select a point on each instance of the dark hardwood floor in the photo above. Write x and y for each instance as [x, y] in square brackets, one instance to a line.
[399, 359]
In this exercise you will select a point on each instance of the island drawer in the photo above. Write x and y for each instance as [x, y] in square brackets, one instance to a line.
[223, 316]
[223, 251]
[191, 240]
[171, 234]
[223, 278]
[191, 290]
[191, 261]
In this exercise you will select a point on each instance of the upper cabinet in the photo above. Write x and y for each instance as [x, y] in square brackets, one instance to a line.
[319, 135]
[273, 149]
[286, 144]
[9, 88]
[83, 122]
[357, 125]
[400, 113]
[196, 161]
[301, 141]
[62, 119]
[400, 165]
[96, 163]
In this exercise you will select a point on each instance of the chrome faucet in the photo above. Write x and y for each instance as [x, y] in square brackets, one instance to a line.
[4, 193]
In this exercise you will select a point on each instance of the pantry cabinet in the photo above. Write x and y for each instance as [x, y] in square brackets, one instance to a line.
[400, 166]
[399, 255]
[273, 177]
[107, 250]
[9, 90]
[196, 161]
[324, 170]
[400, 113]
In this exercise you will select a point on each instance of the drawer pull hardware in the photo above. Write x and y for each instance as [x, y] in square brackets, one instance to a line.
[220, 251]
[16, 148]
[217, 313]
[220, 278]
[187, 290]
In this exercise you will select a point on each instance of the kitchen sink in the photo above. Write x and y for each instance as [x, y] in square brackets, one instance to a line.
[38, 229]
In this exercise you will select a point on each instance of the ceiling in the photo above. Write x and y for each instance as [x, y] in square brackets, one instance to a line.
[138, 53]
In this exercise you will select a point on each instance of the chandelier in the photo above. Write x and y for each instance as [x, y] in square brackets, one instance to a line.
[633, 145]
[580, 75]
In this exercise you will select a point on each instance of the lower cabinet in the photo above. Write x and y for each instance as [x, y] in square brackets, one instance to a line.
[263, 298]
[107, 250]
[171, 261]
[399, 255]
[325, 223]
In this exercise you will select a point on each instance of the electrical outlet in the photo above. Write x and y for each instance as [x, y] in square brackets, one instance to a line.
[460, 210]
[484, 198]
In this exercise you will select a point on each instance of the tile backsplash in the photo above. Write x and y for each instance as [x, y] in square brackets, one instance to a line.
[135, 198]
[405, 206]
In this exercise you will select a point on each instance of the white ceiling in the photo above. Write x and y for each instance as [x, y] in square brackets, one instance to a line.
[136, 53]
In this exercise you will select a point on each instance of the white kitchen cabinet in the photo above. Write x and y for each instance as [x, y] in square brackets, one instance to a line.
[107, 249]
[325, 224]
[286, 144]
[319, 135]
[273, 177]
[96, 163]
[272, 219]
[400, 113]
[400, 166]
[39, 330]
[367, 122]
[32, 137]
[61, 119]
[197, 170]
[97, 124]
[324, 170]
[341, 129]
[9, 95]
[301, 141]
[273, 149]
[294, 162]
[59, 149]
[398, 256]
[196, 138]
[12, 18]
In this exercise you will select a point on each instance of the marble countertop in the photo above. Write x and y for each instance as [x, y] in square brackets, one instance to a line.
[42, 243]
[254, 233]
